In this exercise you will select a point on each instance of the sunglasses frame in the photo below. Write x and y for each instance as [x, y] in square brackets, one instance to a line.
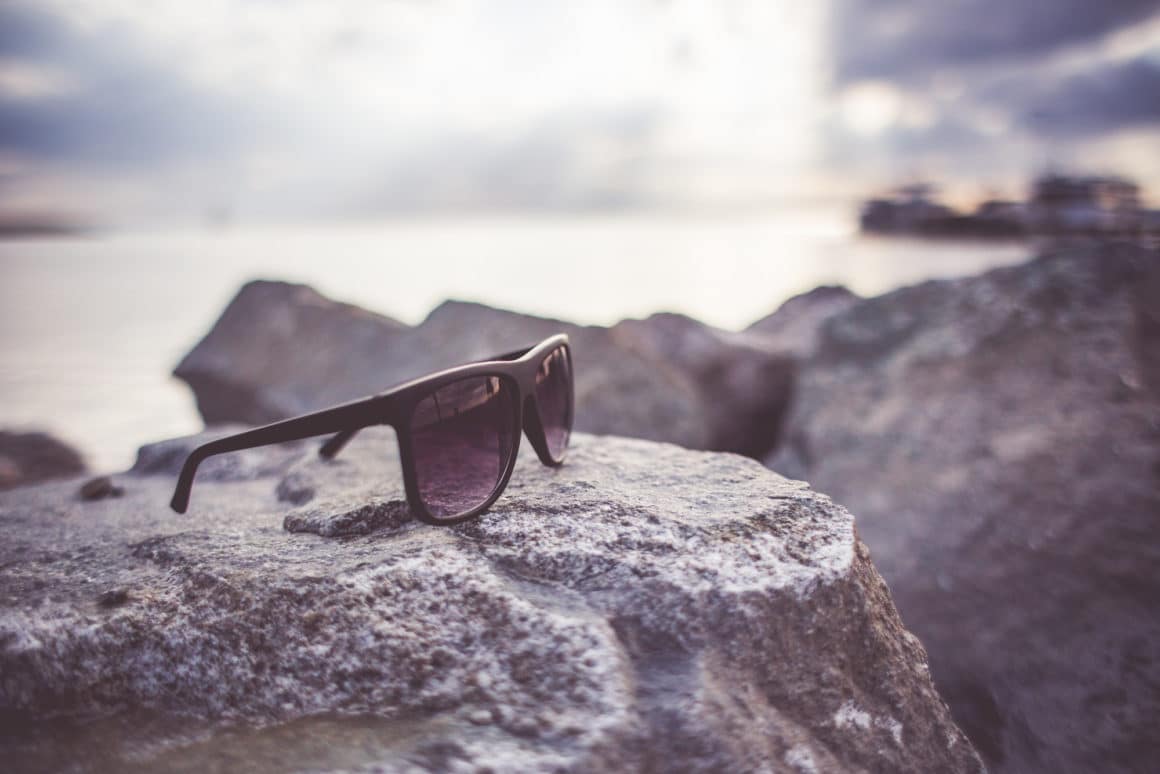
[395, 407]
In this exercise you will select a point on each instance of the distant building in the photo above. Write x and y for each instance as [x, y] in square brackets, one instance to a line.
[912, 210]
[1085, 205]
[1000, 218]
[1001, 209]
[1059, 205]
[909, 209]
[1150, 225]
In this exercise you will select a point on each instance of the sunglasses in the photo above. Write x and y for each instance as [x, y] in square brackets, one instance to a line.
[458, 430]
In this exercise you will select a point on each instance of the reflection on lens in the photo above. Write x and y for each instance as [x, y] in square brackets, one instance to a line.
[462, 440]
[554, 396]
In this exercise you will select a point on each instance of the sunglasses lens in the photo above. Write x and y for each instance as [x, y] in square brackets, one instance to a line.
[554, 397]
[462, 438]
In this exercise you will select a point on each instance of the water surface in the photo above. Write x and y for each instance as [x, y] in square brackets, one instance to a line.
[91, 328]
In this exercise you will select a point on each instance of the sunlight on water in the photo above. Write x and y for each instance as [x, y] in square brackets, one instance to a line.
[91, 328]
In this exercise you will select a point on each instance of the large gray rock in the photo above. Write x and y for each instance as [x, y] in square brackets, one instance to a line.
[30, 457]
[795, 326]
[999, 439]
[282, 349]
[642, 608]
[278, 347]
[743, 382]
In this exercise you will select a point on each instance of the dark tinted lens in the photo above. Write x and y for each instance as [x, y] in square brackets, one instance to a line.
[554, 396]
[462, 437]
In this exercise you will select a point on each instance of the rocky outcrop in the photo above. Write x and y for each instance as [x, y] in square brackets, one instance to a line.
[29, 457]
[743, 382]
[278, 347]
[999, 439]
[795, 326]
[283, 349]
[642, 608]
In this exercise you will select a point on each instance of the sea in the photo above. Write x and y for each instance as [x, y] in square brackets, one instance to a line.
[91, 327]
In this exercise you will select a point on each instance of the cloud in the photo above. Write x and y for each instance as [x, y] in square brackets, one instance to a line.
[360, 108]
[990, 91]
[94, 98]
[579, 160]
[1105, 98]
[910, 40]
[302, 109]
[28, 32]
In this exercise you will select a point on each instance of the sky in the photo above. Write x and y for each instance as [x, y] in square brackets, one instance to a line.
[128, 112]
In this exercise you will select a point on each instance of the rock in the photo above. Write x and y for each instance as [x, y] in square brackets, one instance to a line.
[640, 608]
[743, 381]
[167, 457]
[795, 326]
[617, 391]
[279, 346]
[283, 349]
[99, 488]
[999, 439]
[1147, 327]
[26, 458]
[113, 598]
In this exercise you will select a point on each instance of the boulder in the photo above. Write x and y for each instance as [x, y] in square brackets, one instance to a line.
[999, 438]
[282, 349]
[29, 457]
[743, 382]
[642, 608]
[278, 347]
[794, 327]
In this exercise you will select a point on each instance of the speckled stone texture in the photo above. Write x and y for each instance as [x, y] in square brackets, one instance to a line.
[281, 349]
[642, 608]
[999, 439]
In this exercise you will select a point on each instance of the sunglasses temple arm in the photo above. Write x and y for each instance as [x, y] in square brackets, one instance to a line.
[346, 419]
[335, 443]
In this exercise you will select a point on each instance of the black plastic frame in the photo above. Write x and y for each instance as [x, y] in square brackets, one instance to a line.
[395, 407]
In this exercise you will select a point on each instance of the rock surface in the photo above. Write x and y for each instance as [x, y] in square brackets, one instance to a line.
[282, 349]
[795, 326]
[642, 608]
[29, 457]
[999, 439]
[276, 347]
[744, 382]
